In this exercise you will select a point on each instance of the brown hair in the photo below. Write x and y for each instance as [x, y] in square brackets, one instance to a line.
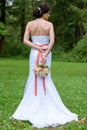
[40, 10]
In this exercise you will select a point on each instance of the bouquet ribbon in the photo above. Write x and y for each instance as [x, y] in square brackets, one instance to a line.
[43, 78]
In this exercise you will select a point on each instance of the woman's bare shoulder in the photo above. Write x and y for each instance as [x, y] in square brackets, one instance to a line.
[35, 21]
[30, 23]
[49, 23]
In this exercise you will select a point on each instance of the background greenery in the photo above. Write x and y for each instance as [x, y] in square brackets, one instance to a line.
[69, 18]
[70, 80]
[70, 23]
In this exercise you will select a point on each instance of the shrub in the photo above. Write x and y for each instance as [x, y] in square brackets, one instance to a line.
[16, 48]
[79, 53]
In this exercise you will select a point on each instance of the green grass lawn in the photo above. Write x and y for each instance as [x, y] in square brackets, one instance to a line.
[70, 80]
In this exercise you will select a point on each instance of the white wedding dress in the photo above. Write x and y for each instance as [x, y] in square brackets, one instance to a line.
[42, 110]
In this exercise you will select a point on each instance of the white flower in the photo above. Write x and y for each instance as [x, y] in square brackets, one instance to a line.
[41, 70]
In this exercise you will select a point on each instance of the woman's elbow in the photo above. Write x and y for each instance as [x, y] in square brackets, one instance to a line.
[24, 41]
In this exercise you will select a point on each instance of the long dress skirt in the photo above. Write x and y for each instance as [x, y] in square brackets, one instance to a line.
[42, 109]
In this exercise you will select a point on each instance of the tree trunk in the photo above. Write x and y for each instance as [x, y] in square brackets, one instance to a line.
[79, 31]
[23, 20]
[2, 19]
[1, 45]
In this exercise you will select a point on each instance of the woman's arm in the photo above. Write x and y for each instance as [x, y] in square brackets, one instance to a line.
[51, 35]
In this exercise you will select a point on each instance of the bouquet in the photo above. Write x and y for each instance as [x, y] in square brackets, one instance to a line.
[41, 70]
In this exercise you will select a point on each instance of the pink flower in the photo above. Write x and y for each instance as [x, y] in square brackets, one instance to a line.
[41, 70]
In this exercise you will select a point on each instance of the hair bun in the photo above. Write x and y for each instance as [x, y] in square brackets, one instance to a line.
[39, 11]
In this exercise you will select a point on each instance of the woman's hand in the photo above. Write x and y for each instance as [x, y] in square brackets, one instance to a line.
[43, 50]
[43, 58]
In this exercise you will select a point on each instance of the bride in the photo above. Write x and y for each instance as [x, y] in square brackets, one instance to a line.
[41, 104]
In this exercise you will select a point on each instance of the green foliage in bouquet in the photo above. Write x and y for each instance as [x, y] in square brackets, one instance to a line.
[41, 70]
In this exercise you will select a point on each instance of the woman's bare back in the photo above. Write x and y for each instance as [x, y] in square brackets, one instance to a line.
[39, 27]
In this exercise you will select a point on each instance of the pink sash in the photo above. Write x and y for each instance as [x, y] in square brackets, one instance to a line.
[43, 78]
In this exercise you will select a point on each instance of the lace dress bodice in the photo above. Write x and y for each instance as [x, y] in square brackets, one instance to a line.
[40, 39]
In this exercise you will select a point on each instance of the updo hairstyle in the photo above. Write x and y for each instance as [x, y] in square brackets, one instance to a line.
[40, 10]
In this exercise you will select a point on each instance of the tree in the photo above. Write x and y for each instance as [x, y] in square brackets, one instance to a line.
[22, 19]
[3, 31]
[2, 19]
[67, 23]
